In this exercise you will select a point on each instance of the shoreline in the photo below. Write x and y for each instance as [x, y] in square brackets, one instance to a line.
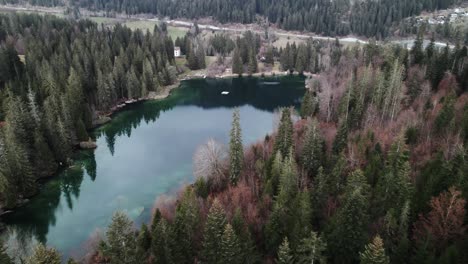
[165, 93]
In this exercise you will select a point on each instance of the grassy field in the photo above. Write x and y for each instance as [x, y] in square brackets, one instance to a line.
[175, 32]
[32, 12]
[139, 24]
[104, 20]
[283, 40]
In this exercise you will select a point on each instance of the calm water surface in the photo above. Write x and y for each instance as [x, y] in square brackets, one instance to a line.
[146, 151]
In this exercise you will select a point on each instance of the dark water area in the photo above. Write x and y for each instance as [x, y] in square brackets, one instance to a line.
[146, 151]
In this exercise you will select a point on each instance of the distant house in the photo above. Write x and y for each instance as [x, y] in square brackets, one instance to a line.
[176, 52]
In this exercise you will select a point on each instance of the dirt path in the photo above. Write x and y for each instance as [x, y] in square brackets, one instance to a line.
[184, 23]
[177, 23]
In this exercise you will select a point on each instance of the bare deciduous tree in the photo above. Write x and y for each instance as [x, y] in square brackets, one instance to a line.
[209, 162]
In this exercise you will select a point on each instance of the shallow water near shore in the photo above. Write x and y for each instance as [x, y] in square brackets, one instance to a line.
[146, 151]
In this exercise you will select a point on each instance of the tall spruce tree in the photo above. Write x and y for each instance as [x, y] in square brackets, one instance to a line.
[213, 234]
[374, 252]
[237, 66]
[311, 249]
[284, 140]
[285, 255]
[143, 243]
[120, 245]
[312, 153]
[4, 258]
[341, 139]
[252, 63]
[347, 233]
[44, 255]
[236, 150]
[161, 242]
[417, 51]
[231, 250]
[185, 227]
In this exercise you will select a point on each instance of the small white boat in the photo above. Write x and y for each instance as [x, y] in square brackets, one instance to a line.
[224, 92]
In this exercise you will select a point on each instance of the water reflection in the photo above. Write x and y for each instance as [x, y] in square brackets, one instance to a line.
[144, 152]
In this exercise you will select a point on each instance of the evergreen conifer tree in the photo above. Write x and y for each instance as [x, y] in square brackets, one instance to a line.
[374, 252]
[44, 255]
[285, 255]
[214, 229]
[237, 66]
[231, 249]
[4, 258]
[312, 249]
[284, 140]
[236, 150]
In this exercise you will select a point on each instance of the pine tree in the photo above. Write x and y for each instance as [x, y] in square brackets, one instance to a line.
[214, 229]
[185, 227]
[147, 83]
[284, 253]
[161, 243]
[201, 64]
[44, 162]
[302, 216]
[284, 58]
[192, 59]
[312, 249]
[4, 258]
[340, 142]
[104, 95]
[81, 133]
[348, 230]
[284, 140]
[236, 150]
[288, 180]
[430, 49]
[237, 66]
[17, 167]
[44, 255]
[133, 84]
[269, 56]
[143, 243]
[312, 149]
[374, 252]
[231, 250]
[444, 122]
[75, 97]
[417, 49]
[156, 219]
[306, 105]
[253, 65]
[120, 246]
[394, 187]
[248, 254]
[301, 59]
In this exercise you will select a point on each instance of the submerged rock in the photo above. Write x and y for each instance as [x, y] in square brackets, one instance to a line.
[136, 212]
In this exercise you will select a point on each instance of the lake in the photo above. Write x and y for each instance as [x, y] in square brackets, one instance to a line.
[146, 151]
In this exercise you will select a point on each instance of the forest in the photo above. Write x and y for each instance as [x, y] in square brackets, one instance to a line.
[371, 169]
[75, 72]
[342, 17]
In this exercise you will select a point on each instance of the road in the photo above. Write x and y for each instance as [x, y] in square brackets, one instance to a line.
[181, 23]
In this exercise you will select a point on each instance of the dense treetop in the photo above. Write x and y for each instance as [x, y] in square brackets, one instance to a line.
[364, 17]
